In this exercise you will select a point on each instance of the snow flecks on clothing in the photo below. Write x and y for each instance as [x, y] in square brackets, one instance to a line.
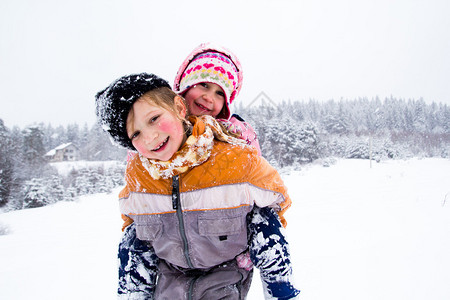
[272, 259]
[258, 219]
[269, 252]
[106, 127]
[219, 134]
[140, 269]
[202, 141]
[138, 265]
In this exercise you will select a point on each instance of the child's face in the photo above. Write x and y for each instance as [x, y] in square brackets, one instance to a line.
[205, 99]
[154, 131]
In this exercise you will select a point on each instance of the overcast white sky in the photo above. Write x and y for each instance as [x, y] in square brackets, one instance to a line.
[55, 55]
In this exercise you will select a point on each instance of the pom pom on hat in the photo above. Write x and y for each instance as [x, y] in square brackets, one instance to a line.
[215, 64]
[114, 102]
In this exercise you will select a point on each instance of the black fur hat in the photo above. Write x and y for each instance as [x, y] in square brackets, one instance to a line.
[114, 103]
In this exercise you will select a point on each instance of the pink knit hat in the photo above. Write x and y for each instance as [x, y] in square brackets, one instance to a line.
[215, 64]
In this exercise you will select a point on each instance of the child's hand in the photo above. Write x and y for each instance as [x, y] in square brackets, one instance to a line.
[244, 261]
[281, 291]
[230, 126]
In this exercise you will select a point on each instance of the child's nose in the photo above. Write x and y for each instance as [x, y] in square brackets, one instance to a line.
[208, 96]
[150, 136]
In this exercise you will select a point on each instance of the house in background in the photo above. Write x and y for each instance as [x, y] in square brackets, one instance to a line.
[64, 152]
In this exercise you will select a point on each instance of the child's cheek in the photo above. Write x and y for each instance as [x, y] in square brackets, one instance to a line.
[140, 148]
[166, 125]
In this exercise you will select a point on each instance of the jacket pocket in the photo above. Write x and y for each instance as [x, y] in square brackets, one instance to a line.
[148, 232]
[220, 226]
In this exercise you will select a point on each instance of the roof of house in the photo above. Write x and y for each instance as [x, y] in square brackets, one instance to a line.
[60, 147]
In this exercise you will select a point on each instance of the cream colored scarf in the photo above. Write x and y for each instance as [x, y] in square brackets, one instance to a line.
[194, 152]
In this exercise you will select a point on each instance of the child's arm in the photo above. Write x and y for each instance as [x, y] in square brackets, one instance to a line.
[138, 267]
[238, 125]
[269, 252]
[264, 176]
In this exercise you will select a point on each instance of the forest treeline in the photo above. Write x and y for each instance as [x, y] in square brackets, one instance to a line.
[290, 134]
[27, 178]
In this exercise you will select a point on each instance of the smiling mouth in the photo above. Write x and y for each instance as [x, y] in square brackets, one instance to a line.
[161, 145]
[202, 107]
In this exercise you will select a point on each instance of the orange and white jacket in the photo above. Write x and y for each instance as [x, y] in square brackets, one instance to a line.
[198, 219]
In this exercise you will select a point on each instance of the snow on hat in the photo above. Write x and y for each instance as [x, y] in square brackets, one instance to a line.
[215, 64]
[114, 102]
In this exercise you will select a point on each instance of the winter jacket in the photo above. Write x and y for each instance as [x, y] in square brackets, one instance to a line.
[198, 220]
[187, 219]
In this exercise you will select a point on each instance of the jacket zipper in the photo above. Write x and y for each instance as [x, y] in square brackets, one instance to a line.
[191, 288]
[176, 204]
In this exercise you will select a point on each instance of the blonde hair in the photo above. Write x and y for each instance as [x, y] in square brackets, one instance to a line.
[162, 97]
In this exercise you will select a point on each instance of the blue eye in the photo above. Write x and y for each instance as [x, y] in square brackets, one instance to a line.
[152, 120]
[134, 135]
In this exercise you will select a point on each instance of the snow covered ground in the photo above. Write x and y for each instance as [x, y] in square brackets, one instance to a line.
[355, 232]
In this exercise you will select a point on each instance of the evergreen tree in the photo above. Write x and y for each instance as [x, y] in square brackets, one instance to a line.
[83, 142]
[335, 124]
[73, 134]
[307, 144]
[6, 165]
[82, 185]
[20, 172]
[35, 193]
[419, 116]
[100, 147]
[60, 136]
[55, 190]
[33, 149]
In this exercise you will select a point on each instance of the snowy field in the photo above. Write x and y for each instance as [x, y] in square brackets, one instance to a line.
[355, 232]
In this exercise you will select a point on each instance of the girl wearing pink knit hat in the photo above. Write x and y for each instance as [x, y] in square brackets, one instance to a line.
[209, 79]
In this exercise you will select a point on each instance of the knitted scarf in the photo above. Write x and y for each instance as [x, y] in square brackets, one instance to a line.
[194, 152]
